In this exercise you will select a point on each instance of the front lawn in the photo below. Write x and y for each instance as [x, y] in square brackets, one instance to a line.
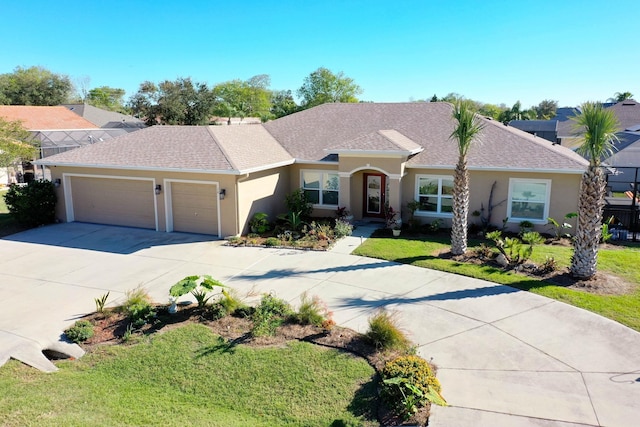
[190, 376]
[623, 262]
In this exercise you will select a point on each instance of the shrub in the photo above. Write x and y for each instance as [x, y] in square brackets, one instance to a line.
[269, 314]
[342, 229]
[81, 331]
[384, 332]
[408, 382]
[214, 311]
[298, 202]
[312, 311]
[259, 223]
[199, 286]
[138, 308]
[513, 248]
[272, 241]
[33, 204]
[230, 302]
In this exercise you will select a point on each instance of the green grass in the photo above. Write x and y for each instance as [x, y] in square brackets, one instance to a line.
[624, 263]
[189, 376]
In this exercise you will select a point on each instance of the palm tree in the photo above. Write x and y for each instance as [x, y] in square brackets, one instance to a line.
[598, 126]
[621, 96]
[468, 128]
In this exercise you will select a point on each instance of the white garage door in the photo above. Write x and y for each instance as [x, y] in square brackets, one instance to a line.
[194, 207]
[123, 202]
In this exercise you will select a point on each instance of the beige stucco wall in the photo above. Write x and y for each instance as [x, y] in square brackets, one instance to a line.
[263, 192]
[563, 198]
[228, 213]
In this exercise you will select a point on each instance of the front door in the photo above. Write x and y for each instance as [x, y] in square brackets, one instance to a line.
[374, 194]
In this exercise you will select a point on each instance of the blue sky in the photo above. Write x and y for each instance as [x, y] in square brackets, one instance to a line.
[491, 51]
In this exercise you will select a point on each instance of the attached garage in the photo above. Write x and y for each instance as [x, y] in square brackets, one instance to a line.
[192, 207]
[113, 201]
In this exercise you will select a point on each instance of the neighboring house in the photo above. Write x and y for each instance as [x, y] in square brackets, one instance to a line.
[105, 118]
[57, 129]
[212, 179]
[547, 129]
[624, 165]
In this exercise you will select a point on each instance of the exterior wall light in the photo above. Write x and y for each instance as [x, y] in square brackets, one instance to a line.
[57, 182]
[222, 193]
[158, 189]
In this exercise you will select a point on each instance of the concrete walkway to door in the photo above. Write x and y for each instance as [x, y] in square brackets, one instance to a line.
[505, 357]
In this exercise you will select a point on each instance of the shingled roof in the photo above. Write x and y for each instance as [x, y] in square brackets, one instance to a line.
[104, 118]
[182, 148]
[419, 130]
[44, 118]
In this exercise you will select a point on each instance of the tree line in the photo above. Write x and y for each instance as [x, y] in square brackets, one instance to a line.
[181, 101]
[187, 102]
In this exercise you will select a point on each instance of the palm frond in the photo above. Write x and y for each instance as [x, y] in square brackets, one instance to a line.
[468, 128]
[597, 126]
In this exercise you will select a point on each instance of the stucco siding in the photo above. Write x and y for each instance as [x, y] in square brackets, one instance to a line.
[263, 192]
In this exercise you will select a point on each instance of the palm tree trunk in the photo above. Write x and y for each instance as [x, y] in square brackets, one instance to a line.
[589, 228]
[460, 208]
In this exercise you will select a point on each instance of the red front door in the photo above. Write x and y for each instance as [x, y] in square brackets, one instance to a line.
[375, 186]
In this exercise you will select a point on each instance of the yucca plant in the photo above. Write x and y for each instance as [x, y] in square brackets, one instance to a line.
[598, 127]
[467, 130]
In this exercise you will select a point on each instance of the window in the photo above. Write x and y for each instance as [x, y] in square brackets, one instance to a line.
[529, 200]
[321, 188]
[435, 194]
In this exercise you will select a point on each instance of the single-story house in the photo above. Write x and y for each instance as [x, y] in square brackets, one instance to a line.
[212, 179]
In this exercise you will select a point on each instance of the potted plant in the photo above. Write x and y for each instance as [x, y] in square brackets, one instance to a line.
[396, 230]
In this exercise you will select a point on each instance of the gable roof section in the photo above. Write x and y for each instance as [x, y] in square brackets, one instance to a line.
[184, 148]
[104, 118]
[535, 125]
[44, 118]
[250, 147]
[628, 113]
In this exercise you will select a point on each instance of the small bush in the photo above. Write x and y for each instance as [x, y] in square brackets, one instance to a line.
[138, 307]
[312, 311]
[214, 311]
[100, 302]
[408, 383]
[259, 223]
[549, 265]
[272, 241]
[385, 334]
[269, 314]
[81, 331]
[230, 302]
[342, 229]
[33, 204]
[298, 202]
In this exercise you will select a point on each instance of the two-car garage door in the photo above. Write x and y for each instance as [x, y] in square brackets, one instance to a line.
[190, 207]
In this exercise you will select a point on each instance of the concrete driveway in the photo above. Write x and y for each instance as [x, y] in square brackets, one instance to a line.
[505, 357]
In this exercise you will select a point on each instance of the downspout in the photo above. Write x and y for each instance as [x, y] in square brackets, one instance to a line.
[237, 208]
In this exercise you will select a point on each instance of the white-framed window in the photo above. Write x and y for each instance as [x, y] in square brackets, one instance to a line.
[321, 187]
[435, 194]
[529, 200]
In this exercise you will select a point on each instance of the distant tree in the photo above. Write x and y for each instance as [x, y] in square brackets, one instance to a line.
[516, 113]
[15, 143]
[434, 98]
[179, 102]
[620, 96]
[237, 98]
[546, 109]
[282, 103]
[106, 97]
[491, 110]
[322, 86]
[34, 86]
